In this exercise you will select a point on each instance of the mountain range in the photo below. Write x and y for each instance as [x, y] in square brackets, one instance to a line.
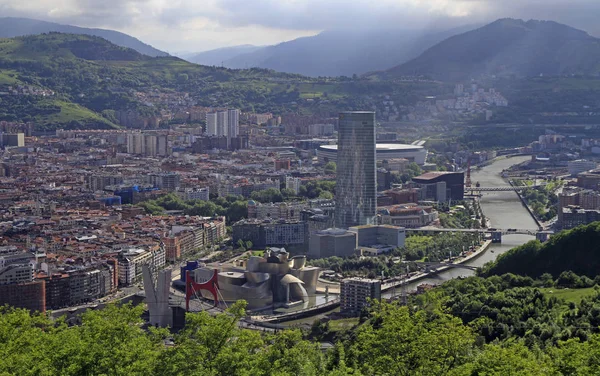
[14, 27]
[332, 52]
[508, 47]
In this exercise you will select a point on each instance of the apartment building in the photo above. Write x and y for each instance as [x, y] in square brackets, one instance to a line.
[355, 293]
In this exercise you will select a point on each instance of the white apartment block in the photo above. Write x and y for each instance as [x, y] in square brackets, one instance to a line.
[293, 183]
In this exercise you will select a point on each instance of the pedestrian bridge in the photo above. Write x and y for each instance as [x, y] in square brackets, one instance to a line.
[500, 189]
[435, 265]
[473, 230]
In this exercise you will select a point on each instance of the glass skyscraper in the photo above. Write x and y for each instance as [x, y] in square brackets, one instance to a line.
[355, 191]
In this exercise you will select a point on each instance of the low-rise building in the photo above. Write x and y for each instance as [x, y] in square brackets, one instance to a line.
[408, 215]
[573, 216]
[589, 179]
[579, 166]
[381, 235]
[272, 233]
[332, 242]
[194, 193]
[441, 185]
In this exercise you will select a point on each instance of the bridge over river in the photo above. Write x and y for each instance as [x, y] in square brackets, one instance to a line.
[495, 233]
[473, 230]
[473, 190]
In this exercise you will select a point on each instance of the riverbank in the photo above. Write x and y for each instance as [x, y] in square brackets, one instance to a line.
[524, 202]
[422, 275]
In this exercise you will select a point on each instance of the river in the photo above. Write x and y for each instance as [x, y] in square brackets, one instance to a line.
[503, 209]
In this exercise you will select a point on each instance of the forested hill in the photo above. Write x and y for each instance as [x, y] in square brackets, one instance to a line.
[577, 250]
[93, 77]
[14, 27]
[508, 47]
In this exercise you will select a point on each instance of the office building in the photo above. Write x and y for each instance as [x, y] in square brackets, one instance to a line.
[332, 242]
[441, 186]
[355, 292]
[272, 233]
[382, 235]
[356, 195]
[579, 166]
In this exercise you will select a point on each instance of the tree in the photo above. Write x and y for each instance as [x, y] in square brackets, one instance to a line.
[237, 211]
[267, 195]
[288, 193]
[326, 195]
[330, 168]
[396, 341]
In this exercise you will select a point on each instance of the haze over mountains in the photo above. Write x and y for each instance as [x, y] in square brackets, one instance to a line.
[333, 52]
[508, 47]
[14, 27]
[220, 55]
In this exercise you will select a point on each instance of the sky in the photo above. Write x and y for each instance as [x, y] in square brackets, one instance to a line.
[176, 26]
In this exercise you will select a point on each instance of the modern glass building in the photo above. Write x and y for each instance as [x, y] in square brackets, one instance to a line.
[355, 192]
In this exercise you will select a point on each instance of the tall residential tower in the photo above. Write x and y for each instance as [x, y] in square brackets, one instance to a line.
[356, 195]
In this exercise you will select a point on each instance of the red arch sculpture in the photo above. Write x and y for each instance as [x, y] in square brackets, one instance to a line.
[211, 285]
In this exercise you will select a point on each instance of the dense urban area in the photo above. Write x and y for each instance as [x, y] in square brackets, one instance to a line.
[163, 217]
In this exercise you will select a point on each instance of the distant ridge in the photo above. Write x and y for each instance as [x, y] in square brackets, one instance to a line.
[14, 27]
[220, 55]
[332, 52]
[508, 47]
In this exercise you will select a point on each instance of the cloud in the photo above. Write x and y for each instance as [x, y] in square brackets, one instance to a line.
[203, 24]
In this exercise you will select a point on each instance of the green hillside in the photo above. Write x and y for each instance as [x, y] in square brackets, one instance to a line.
[508, 47]
[96, 75]
[577, 250]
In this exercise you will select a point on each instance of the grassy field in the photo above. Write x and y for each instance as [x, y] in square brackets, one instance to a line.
[74, 112]
[343, 324]
[570, 295]
[7, 77]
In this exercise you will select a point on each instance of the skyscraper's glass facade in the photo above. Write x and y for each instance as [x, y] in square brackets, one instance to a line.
[356, 196]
